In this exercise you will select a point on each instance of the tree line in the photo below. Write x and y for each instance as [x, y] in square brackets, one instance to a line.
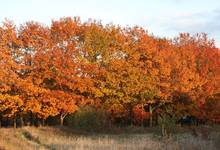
[56, 70]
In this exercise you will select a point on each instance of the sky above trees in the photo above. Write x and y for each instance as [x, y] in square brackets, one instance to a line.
[162, 18]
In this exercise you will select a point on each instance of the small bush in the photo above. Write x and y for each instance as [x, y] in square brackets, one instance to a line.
[217, 139]
[89, 119]
[167, 124]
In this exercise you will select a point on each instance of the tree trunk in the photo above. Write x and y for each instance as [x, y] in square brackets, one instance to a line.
[162, 130]
[14, 123]
[142, 115]
[22, 121]
[38, 122]
[163, 127]
[130, 114]
[32, 123]
[61, 121]
[151, 115]
[110, 122]
[156, 120]
[62, 116]
[43, 122]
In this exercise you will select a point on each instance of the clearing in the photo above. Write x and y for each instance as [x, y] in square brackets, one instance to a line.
[57, 138]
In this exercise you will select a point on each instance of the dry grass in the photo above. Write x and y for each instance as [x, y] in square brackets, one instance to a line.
[48, 138]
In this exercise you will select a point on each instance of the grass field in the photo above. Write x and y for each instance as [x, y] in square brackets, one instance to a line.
[56, 138]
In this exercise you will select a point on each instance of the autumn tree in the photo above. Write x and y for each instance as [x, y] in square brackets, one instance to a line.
[196, 70]
[49, 71]
[11, 104]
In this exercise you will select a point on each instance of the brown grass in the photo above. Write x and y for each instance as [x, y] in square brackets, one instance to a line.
[54, 138]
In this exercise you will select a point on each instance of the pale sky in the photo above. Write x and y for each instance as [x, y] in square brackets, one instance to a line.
[160, 17]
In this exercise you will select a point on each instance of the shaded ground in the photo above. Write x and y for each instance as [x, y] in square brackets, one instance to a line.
[55, 138]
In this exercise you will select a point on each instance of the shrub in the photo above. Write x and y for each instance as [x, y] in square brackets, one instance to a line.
[89, 119]
[167, 124]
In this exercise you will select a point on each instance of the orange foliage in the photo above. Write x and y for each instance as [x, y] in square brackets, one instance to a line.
[50, 71]
[140, 114]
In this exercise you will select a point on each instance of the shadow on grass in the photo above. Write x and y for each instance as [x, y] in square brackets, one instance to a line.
[109, 131]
